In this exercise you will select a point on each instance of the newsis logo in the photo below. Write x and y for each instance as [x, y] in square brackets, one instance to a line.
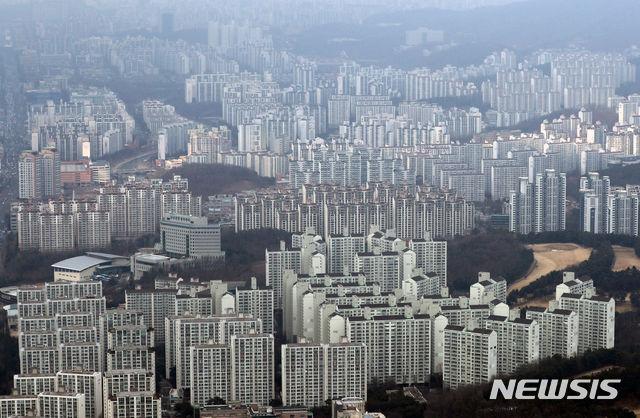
[553, 389]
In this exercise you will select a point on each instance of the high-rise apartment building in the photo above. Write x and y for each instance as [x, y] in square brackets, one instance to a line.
[518, 342]
[252, 368]
[38, 174]
[622, 210]
[381, 267]
[186, 331]
[87, 383]
[596, 319]
[398, 346]
[341, 248]
[470, 356]
[18, 405]
[276, 263]
[134, 404]
[312, 373]
[431, 256]
[539, 206]
[210, 372]
[558, 331]
[257, 302]
[595, 191]
[62, 403]
[486, 289]
[155, 305]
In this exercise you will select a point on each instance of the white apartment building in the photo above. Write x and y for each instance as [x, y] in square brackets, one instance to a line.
[558, 331]
[570, 284]
[18, 405]
[38, 174]
[252, 368]
[595, 191]
[303, 374]
[398, 347]
[313, 373]
[381, 267]
[131, 357]
[431, 256]
[470, 356]
[62, 404]
[87, 383]
[518, 342]
[276, 263]
[57, 326]
[155, 305]
[257, 302]
[596, 319]
[210, 372]
[133, 405]
[622, 208]
[127, 381]
[341, 250]
[463, 314]
[539, 206]
[422, 285]
[32, 384]
[504, 179]
[188, 331]
[85, 355]
[486, 290]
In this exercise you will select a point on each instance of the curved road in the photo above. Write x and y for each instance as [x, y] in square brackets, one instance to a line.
[133, 158]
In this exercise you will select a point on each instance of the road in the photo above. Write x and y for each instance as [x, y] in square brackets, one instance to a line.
[133, 158]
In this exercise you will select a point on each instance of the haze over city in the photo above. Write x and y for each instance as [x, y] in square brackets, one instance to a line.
[319, 208]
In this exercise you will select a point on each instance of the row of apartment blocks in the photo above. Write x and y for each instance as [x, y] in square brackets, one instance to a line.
[349, 334]
[42, 174]
[380, 303]
[352, 80]
[466, 168]
[91, 124]
[396, 151]
[468, 339]
[473, 170]
[380, 257]
[577, 79]
[118, 211]
[79, 359]
[214, 355]
[330, 209]
[608, 210]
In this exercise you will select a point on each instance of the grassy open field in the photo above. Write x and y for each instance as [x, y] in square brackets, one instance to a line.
[625, 258]
[550, 257]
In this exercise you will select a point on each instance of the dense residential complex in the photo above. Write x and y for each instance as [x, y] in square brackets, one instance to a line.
[389, 176]
[411, 210]
[119, 211]
[607, 210]
[93, 123]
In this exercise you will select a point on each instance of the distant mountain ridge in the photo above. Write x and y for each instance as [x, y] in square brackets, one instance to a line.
[522, 26]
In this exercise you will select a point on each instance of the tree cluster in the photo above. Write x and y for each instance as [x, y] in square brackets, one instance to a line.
[210, 179]
[497, 252]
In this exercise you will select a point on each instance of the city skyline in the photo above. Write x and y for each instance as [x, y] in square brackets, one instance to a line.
[344, 209]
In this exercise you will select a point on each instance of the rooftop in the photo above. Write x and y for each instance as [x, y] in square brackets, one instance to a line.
[80, 263]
